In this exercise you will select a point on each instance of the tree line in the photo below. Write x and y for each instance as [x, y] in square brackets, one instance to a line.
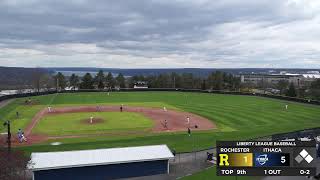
[99, 81]
[215, 81]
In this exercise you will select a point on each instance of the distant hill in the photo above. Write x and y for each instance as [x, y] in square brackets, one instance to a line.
[16, 77]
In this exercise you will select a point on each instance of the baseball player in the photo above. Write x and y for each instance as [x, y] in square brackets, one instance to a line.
[23, 138]
[20, 135]
[91, 119]
[121, 108]
[164, 109]
[49, 109]
[286, 106]
[166, 124]
[188, 121]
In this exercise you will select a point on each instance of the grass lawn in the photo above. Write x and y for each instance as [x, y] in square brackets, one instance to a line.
[72, 123]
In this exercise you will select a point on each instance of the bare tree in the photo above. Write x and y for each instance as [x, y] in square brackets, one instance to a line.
[36, 78]
[13, 165]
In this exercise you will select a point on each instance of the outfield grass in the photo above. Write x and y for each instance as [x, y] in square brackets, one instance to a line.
[72, 123]
[237, 117]
[26, 113]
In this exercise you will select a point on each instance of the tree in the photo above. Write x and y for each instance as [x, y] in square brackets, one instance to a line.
[163, 80]
[60, 81]
[87, 82]
[110, 81]
[315, 89]
[203, 85]
[187, 80]
[121, 81]
[152, 81]
[37, 75]
[282, 85]
[99, 80]
[47, 81]
[176, 80]
[74, 81]
[216, 80]
[315, 84]
[13, 165]
[291, 91]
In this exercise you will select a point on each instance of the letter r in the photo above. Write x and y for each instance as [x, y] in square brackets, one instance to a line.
[223, 160]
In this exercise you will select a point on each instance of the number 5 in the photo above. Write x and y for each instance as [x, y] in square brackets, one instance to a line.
[283, 159]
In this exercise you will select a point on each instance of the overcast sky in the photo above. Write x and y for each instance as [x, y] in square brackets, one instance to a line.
[160, 33]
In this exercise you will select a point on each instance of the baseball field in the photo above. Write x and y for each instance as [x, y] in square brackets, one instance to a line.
[94, 120]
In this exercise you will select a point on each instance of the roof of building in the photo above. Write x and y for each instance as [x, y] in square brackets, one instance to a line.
[69, 159]
[272, 75]
[313, 76]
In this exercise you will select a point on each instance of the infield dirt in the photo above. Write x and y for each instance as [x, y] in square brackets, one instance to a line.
[164, 121]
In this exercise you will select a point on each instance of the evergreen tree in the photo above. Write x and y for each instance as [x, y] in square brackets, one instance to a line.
[87, 82]
[99, 80]
[110, 81]
[60, 81]
[74, 81]
[291, 91]
[121, 81]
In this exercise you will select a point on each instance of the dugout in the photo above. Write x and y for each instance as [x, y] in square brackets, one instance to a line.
[101, 164]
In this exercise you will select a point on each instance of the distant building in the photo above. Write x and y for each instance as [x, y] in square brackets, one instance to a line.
[70, 88]
[140, 85]
[257, 79]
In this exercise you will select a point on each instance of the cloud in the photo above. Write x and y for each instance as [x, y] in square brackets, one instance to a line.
[160, 33]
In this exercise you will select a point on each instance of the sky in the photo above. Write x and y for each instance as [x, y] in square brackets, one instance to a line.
[160, 33]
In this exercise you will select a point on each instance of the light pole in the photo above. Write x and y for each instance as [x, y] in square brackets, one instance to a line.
[7, 123]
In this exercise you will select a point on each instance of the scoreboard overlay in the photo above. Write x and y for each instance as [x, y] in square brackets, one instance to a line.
[266, 158]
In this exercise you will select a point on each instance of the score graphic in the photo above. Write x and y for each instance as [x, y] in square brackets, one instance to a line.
[264, 158]
[236, 159]
[271, 159]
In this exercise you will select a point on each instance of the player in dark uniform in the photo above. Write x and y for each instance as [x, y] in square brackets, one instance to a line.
[121, 108]
[166, 124]
[189, 131]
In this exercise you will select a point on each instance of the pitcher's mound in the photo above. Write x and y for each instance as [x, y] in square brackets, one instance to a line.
[94, 121]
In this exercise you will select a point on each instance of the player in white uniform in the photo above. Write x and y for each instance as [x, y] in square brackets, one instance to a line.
[188, 121]
[164, 109]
